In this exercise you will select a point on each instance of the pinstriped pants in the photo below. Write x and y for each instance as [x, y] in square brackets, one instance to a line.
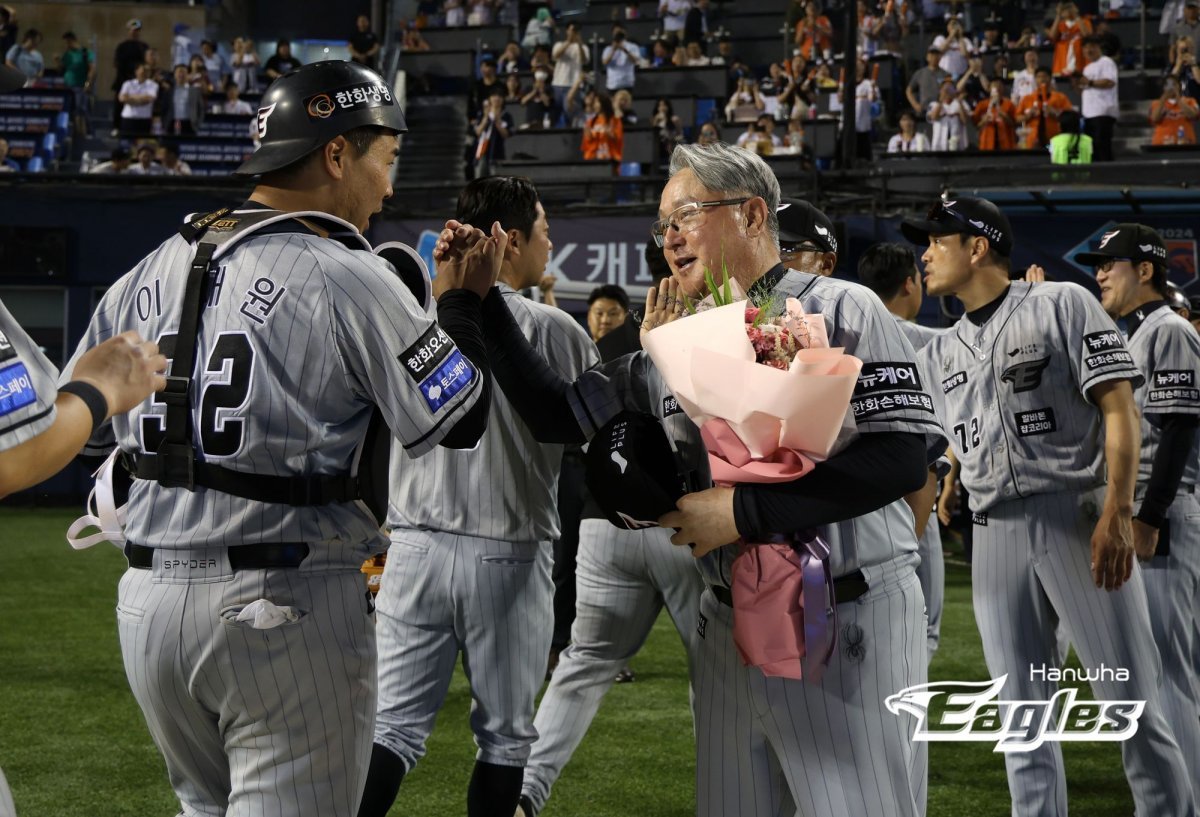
[932, 575]
[1031, 568]
[623, 580]
[253, 723]
[774, 747]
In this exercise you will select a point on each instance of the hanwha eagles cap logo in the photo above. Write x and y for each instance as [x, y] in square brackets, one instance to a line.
[320, 106]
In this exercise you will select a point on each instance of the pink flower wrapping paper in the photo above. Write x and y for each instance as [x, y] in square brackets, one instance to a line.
[762, 423]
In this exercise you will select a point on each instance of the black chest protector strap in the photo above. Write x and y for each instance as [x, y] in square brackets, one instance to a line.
[175, 464]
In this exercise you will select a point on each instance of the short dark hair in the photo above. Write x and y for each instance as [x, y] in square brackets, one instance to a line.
[511, 200]
[487, 61]
[1093, 39]
[612, 292]
[883, 268]
[179, 65]
[31, 34]
[1158, 280]
[1041, 69]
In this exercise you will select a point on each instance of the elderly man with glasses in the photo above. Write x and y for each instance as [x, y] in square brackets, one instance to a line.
[770, 745]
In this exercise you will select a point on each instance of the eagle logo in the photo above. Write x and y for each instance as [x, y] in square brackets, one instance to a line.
[263, 115]
[1107, 237]
[1027, 375]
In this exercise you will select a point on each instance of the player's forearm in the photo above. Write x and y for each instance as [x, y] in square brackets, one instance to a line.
[921, 502]
[460, 318]
[1122, 441]
[1166, 471]
[48, 453]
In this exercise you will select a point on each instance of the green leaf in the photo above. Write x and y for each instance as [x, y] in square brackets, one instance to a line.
[687, 304]
[711, 283]
[725, 275]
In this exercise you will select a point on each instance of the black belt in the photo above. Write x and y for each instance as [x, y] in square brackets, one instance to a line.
[845, 589]
[1188, 489]
[241, 557]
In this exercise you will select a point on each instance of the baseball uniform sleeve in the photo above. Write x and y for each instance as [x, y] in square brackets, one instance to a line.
[27, 385]
[1173, 371]
[1096, 349]
[396, 357]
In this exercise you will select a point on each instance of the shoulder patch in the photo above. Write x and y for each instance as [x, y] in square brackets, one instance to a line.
[437, 367]
[1173, 385]
[671, 407]
[1103, 341]
[16, 389]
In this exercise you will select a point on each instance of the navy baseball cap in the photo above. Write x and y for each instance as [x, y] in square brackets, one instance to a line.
[801, 223]
[967, 215]
[633, 472]
[1137, 242]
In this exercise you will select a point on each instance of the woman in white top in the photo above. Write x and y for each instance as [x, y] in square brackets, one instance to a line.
[955, 47]
[244, 64]
[909, 139]
[949, 117]
[481, 13]
[674, 14]
[456, 15]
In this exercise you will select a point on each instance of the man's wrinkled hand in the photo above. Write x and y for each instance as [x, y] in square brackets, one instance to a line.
[703, 520]
[1145, 540]
[1112, 550]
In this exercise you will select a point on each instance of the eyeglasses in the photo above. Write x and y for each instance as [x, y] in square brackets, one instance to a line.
[687, 218]
[1108, 264]
[789, 253]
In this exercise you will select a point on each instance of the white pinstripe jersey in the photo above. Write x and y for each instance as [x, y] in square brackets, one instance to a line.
[506, 487]
[890, 396]
[1167, 350]
[301, 337]
[917, 334]
[27, 385]
[1013, 394]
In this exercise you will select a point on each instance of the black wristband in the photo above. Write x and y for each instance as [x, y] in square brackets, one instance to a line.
[91, 397]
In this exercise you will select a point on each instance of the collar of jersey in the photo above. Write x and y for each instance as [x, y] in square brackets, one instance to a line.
[770, 279]
[1140, 315]
[981, 315]
[339, 230]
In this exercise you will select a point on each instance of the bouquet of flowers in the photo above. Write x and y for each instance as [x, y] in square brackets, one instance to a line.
[772, 399]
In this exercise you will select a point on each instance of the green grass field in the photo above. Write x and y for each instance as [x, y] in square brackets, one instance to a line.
[73, 744]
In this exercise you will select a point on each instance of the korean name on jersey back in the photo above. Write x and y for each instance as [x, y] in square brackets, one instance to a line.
[16, 388]
[885, 386]
[437, 367]
[1173, 384]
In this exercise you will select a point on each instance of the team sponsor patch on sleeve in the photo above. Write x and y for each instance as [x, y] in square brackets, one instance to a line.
[888, 386]
[1173, 385]
[16, 389]
[437, 367]
[1033, 423]
[1103, 341]
[671, 406]
[1106, 348]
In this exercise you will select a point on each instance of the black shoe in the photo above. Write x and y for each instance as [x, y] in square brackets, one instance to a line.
[625, 676]
[525, 807]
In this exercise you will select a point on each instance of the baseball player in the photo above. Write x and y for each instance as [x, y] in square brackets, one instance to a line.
[1131, 269]
[1036, 396]
[245, 627]
[624, 579]
[768, 745]
[806, 239]
[890, 271]
[468, 570]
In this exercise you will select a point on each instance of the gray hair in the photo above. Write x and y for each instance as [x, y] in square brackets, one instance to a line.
[734, 171]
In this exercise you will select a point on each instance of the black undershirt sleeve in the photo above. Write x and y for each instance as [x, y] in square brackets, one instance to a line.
[1166, 472]
[536, 391]
[459, 315]
[873, 471]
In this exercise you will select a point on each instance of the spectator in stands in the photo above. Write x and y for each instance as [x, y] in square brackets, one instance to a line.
[1185, 69]
[771, 87]
[679, 58]
[244, 65]
[78, 67]
[795, 13]
[992, 41]
[25, 57]
[540, 111]
[511, 61]
[1041, 111]
[413, 41]
[130, 53]
[513, 92]
[364, 45]
[955, 46]
[198, 76]
[660, 54]
[620, 59]
[491, 131]
[184, 110]
[539, 30]
[909, 139]
[137, 100]
[1067, 32]
[281, 62]
[571, 57]
[814, 34]
[668, 127]
[674, 15]
[577, 105]
[949, 117]
[866, 97]
[1189, 26]
[1173, 116]
[695, 55]
[7, 165]
[973, 84]
[695, 27]
[760, 130]
[455, 13]
[710, 134]
[1025, 82]
[1029, 39]
[1100, 101]
[145, 164]
[233, 105]
[181, 44]
[795, 99]
[214, 63]
[488, 82]
[118, 163]
[608, 307]
[1071, 146]
[623, 107]
[481, 12]
[172, 165]
[996, 119]
[1000, 66]
[540, 60]
[793, 140]
[603, 133]
[822, 78]
[746, 104]
[889, 28]
[926, 82]
[8, 29]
